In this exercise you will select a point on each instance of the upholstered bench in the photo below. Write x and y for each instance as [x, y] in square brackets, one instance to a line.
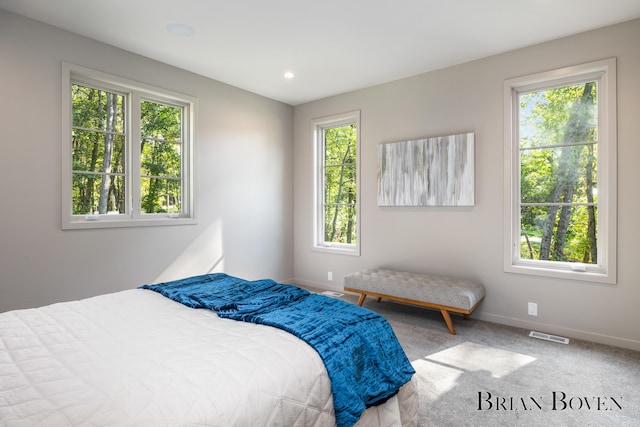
[443, 293]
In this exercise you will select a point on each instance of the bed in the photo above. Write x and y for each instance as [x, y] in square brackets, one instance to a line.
[140, 358]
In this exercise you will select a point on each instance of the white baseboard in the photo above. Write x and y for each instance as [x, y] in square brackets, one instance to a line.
[323, 286]
[559, 330]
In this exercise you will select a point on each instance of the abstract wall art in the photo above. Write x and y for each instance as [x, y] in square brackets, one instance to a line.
[436, 171]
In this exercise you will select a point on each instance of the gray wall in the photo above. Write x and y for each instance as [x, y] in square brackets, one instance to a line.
[468, 242]
[244, 172]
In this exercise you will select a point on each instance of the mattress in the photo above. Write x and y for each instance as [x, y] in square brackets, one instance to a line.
[136, 358]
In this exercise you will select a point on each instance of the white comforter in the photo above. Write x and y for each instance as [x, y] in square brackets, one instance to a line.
[136, 358]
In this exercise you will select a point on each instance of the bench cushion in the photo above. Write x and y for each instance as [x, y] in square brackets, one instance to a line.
[445, 291]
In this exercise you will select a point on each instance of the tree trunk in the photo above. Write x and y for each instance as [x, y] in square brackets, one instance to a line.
[526, 236]
[112, 100]
[115, 190]
[350, 223]
[88, 198]
[573, 154]
[591, 226]
[340, 185]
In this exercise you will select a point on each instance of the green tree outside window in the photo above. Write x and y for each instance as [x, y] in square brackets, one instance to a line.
[340, 177]
[558, 174]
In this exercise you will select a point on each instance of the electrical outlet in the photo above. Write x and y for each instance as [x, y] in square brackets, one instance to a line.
[329, 276]
[533, 309]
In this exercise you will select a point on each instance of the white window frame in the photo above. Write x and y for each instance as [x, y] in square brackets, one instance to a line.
[319, 125]
[604, 72]
[134, 93]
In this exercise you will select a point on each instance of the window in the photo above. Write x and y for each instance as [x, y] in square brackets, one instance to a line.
[560, 174]
[337, 168]
[127, 153]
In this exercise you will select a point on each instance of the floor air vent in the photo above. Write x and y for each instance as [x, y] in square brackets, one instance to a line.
[554, 338]
[332, 294]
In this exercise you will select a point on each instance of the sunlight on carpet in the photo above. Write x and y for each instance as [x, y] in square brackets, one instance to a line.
[434, 380]
[438, 373]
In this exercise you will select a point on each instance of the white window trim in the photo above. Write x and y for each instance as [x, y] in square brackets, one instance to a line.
[318, 125]
[605, 271]
[135, 91]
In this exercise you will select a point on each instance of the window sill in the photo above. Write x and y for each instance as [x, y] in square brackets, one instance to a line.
[338, 249]
[91, 222]
[564, 272]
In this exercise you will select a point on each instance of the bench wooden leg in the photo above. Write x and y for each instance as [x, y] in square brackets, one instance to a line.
[447, 320]
[379, 299]
[361, 299]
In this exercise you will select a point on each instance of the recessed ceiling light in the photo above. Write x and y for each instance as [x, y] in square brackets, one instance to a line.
[179, 29]
[289, 75]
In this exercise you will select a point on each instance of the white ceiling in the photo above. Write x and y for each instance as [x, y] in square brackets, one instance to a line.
[332, 46]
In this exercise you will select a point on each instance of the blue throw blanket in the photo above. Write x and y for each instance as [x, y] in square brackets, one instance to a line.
[361, 353]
